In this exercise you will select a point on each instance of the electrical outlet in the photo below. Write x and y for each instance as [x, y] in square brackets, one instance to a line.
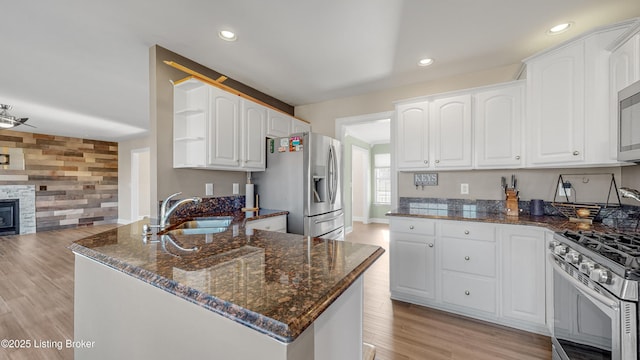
[208, 189]
[236, 188]
[564, 189]
[464, 189]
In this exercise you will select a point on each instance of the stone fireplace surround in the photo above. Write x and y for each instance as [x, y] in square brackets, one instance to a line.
[27, 196]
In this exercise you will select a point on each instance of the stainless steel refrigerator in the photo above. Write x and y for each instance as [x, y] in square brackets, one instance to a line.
[303, 176]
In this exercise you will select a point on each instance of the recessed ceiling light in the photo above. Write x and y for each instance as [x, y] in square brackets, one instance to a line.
[560, 28]
[425, 62]
[227, 35]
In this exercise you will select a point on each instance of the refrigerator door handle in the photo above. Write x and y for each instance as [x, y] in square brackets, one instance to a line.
[327, 220]
[332, 181]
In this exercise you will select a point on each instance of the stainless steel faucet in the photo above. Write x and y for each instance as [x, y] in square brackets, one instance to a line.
[165, 214]
[630, 193]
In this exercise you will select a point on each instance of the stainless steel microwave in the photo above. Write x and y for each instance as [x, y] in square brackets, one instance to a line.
[629, 123]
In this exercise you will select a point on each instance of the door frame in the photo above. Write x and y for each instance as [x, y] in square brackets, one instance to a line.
[366, 180]
[341, 132]
[135, 179]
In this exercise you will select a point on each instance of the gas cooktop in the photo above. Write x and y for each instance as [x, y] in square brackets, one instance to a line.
[621, 248]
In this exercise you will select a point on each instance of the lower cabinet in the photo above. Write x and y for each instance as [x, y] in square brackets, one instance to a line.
[523, 274]
[491, 272]
[412, 259]
[273, 223]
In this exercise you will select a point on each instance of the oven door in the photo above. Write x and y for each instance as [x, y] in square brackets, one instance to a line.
[589, 322]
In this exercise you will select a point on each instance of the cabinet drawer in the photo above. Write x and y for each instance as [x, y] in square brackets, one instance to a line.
[468, 230]
[468, 291]
[418, 226]
[275, 223]
[469, 256]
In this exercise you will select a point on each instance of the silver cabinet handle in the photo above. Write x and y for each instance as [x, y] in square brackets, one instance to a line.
[517, 157]
[426, 162]
[437, 161]
[576, 153]
[466, 232]
[467, 292]
[467, 258]
[411, 227]
[430, 245]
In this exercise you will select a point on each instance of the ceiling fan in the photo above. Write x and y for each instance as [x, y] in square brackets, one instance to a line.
[8, 121]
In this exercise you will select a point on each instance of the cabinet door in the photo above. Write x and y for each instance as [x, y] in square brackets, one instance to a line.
[298, 126]
[450, 120]
[223, 129]
[498, 127]
[624, 69]
[254, 132]
[523, 274]
[555, 108]
[412, 139]
[412, 265]
[278, 124]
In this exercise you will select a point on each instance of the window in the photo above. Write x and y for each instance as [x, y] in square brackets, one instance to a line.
[382, 164]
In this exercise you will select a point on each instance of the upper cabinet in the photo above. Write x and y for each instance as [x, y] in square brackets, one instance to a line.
[223, 145]
[624, 69]
[254, 132]
[412, 139]
[450, 120]
[434, 134]
[281, 125]
[568, 111]
[498, 117]
[215, 129]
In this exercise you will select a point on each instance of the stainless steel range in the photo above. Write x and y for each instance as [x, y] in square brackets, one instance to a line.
[595, 293]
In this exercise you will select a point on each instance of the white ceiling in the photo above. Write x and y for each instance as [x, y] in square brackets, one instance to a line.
[371, 132]
[80, 68]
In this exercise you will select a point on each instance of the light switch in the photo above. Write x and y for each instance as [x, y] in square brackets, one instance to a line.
[236, 188]
[208, 189]
[464, 189]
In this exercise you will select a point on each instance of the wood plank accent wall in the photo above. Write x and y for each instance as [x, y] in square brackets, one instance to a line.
[76, 179]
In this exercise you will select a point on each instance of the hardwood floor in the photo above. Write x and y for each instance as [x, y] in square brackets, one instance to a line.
[403, 331]
[36, 292]
[36, 304]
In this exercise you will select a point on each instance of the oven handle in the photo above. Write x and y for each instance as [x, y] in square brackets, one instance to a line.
[590, 294]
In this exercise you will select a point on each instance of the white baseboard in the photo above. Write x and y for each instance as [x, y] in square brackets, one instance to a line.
[379, 220]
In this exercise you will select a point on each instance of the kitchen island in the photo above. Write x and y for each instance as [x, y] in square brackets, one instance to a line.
[226, 295]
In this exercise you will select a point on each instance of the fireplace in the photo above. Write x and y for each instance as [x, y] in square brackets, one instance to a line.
[9, 217]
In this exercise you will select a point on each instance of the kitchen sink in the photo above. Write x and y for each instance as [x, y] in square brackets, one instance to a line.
[206, 222]
[198, 230]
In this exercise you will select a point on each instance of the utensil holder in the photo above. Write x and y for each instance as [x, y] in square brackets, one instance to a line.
[512, 203]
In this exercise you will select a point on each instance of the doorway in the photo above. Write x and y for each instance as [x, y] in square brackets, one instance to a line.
[140, 184]
[360, 182]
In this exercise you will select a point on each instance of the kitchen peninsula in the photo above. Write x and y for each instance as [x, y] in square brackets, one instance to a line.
[236, 294]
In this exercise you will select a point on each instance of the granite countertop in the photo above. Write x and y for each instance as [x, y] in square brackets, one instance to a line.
[554, 223]
[274, 283]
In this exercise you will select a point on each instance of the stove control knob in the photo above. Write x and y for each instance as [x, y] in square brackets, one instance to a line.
[560, 250]
[572, 257]
[600, 275]
[586, 267]
[552, 244]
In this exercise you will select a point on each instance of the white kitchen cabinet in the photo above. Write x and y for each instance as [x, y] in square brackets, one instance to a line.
[278, 124]
[223, 145]
[190, 106]
[450, 120]
[497, 117]
[434, 134]
[523, 274]
[254, 132]
[272, 223]
[568, 111]
[412, 136]
[624, 69]
[298, 126]
[468, 265]
[412, 259]
[214, 129]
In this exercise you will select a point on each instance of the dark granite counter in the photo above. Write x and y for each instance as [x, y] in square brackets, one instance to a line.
[554, 223]
[274, 283]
